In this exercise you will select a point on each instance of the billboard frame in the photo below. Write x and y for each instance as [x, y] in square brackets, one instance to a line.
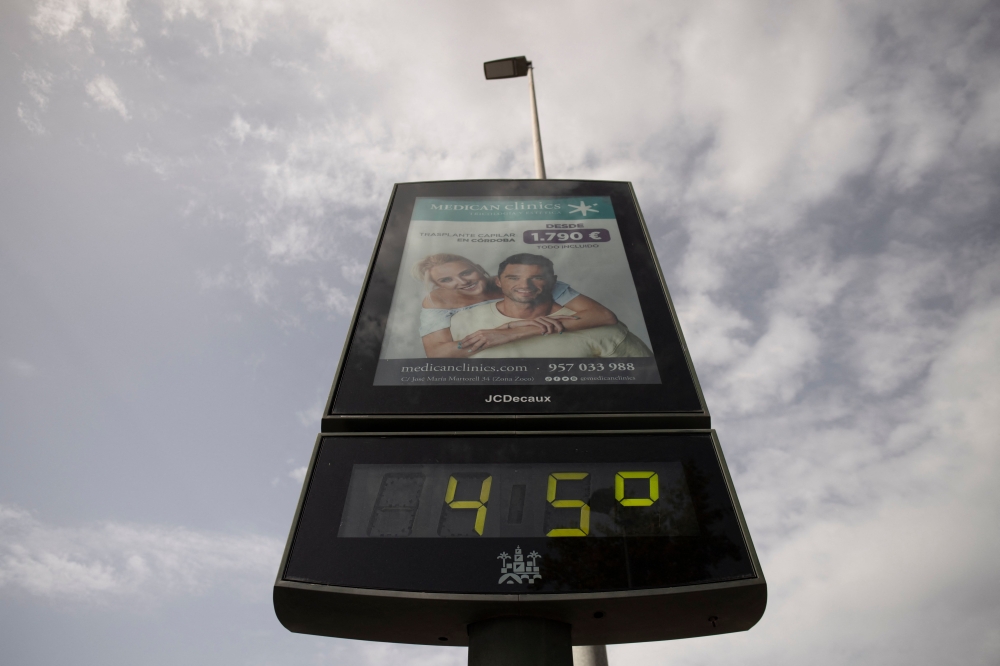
[360, 420]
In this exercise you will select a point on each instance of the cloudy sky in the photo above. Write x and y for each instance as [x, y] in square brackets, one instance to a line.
[190, 192]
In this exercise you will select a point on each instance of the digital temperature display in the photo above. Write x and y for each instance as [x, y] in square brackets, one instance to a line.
[514, 517]
[511, 500]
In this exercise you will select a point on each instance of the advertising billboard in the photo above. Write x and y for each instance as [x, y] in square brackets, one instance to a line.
[490, 301]
[515, 291]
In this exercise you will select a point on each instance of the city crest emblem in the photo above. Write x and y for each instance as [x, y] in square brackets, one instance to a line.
[517, 570]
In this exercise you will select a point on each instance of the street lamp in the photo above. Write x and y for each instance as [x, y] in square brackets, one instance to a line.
[508, 68]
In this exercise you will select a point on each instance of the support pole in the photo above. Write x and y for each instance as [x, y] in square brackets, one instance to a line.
[590, 655]
[520, 641]
[535, 132]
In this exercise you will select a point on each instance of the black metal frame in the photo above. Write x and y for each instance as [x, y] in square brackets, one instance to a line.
[609, 617]
[676, 403]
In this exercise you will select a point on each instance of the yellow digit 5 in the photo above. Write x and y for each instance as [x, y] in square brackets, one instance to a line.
[480, 506]
[584, 528]
[654, 488]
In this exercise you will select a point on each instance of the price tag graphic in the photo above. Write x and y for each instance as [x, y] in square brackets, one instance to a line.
[536, 236]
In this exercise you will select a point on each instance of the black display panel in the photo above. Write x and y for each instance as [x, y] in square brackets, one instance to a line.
[528, 500]
[528, 514]
[470, 263]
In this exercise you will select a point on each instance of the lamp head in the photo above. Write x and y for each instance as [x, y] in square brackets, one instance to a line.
[506, 68]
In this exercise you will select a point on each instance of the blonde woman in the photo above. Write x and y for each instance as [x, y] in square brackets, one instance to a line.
[456, 283]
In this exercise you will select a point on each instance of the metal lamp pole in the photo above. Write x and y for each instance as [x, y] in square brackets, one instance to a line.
[509, 68]
[536, 133]
[524, 641]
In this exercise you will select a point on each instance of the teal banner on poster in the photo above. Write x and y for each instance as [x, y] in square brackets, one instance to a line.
[508, 209]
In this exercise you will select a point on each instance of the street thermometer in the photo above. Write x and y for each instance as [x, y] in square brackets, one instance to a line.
[516, 430]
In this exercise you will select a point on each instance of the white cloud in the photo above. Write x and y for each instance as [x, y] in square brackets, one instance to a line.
[223, 278]
[354, 272]
[899, 337]
[838, 143]
[39, 84]
[291, 241]
[312, 174]
[110, 561]
[326, 298]
[298, 474]
[257, 282]
[145, 157]
[60, 19]
[763, 78]
[105, 93]
[774, 370]
[260, 283]
[22, 367]
[238, 24]
[240, 130]
[31, 118]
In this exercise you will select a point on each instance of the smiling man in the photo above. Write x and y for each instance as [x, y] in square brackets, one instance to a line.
[496, 329]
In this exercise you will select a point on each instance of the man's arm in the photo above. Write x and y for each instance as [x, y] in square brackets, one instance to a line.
[494, 337]
[589, 314]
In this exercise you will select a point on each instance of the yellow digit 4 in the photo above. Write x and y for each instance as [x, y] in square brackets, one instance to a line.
[654, 488]
[480, 506]
[584, 528]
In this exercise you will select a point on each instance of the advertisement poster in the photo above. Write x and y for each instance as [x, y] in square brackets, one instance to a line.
[515, 291]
